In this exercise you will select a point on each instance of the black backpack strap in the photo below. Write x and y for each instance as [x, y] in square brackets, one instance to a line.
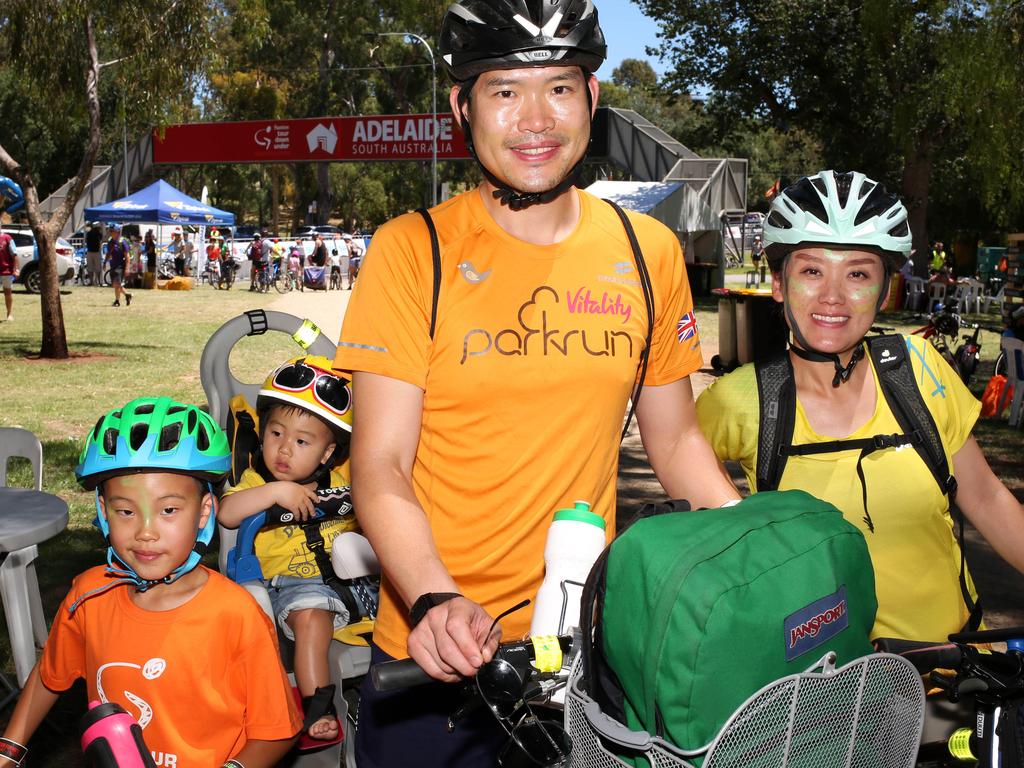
[896, 376]
[648, 291]
[776, 396]
[435, 255]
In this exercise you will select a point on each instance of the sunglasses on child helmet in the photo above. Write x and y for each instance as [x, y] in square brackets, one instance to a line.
[328, 388]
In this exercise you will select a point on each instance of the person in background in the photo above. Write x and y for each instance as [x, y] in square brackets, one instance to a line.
[149, 246]
[119, 256]
[93, 255]
[188, 252]
[174, 249]
[8, 270]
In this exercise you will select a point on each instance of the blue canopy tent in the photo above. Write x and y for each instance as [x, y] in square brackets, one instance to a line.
[160, 203]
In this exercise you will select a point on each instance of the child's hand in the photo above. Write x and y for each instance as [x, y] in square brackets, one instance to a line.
[297, 499]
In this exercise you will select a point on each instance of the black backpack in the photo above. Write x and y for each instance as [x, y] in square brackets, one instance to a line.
[777, 398]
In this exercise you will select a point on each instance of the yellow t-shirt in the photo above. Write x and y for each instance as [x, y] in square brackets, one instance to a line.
[525, 382]
[913, 547]
[282, 549]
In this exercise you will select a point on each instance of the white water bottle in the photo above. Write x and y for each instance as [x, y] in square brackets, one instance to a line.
[575, 539]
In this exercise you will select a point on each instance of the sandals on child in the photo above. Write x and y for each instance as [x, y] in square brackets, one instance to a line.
[315, 707]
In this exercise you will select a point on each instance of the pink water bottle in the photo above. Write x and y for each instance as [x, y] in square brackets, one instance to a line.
[112, 739]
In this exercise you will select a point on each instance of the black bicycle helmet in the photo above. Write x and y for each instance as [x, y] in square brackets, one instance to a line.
[481, 35]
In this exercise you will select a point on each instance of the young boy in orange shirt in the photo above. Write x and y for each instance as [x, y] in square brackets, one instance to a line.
[183, 649]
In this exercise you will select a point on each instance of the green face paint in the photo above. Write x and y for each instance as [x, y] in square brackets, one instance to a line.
[864, 298]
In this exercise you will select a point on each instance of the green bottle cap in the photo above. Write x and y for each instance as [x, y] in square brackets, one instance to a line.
[581, 513]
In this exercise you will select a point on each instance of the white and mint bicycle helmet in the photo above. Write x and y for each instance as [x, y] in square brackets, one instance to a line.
[842, 211]
[837, 210]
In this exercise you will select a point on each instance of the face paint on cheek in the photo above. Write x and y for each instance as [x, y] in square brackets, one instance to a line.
[798, 293]
[864, 299]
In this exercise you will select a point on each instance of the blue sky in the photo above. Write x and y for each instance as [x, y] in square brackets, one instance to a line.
[627, 32]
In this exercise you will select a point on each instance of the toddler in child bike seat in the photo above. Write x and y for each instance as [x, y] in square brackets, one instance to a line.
[305, 418]
[186, 652]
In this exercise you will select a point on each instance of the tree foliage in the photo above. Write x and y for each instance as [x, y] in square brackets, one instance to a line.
[59, 60]
[910, 93]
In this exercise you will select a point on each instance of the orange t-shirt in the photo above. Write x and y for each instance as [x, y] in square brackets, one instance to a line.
[526, 381]
[201, 679]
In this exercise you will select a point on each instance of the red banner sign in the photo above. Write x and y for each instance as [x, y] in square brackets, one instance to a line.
[334, 139]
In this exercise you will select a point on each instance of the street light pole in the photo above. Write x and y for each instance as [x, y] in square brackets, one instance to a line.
[433, 106]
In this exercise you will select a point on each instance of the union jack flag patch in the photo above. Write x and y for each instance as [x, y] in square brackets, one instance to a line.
[686, 328]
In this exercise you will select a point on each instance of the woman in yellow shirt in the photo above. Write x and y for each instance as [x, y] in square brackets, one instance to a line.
[832, 241]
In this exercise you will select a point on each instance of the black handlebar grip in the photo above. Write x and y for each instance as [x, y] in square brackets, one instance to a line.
[923, 655]
[395, 675]
[989, 635]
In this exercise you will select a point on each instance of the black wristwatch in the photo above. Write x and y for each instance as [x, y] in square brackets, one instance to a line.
[427, 601]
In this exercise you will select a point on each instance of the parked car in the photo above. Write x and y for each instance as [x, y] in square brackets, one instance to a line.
[327, 231]
[28, 257]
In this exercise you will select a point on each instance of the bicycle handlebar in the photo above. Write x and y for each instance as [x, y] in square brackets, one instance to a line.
[406, 673]
[924, 656]
[330, 502]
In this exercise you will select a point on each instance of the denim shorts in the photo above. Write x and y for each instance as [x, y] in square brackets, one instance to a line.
[291, 593]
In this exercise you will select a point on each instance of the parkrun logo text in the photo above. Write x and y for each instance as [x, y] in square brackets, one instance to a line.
[539, 335]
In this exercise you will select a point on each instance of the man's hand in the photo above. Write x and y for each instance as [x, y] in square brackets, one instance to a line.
[297, 499]
[451, 642]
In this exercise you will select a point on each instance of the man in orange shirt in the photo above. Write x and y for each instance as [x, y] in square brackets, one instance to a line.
[188, 653]
[485, 410]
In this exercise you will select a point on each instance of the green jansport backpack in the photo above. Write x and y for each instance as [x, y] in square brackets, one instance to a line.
[695, 611]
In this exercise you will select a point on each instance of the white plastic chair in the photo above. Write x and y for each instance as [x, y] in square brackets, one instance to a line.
[1014, 351]
[917, 289]
[968, 295]
[19, 585]
[936, 295]
[866, 714]
[996, 301]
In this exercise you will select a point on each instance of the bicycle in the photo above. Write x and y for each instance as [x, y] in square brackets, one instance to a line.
[943, 326]
[995, 680]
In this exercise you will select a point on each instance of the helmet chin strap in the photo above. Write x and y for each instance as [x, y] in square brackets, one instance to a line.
[504, 193]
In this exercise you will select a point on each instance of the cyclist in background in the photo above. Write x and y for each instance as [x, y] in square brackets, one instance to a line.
[832, 241]
[471, 433]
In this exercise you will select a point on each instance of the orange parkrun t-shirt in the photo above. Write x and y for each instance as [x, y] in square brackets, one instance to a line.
[526, 381]
[201, 680]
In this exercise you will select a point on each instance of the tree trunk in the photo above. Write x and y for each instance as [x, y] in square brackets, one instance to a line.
[55, 341]
[323, 196]
[914, 186]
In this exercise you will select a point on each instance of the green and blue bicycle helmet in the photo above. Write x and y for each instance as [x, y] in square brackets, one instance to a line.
[479, 36]
[154, 434]
[839, 211]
